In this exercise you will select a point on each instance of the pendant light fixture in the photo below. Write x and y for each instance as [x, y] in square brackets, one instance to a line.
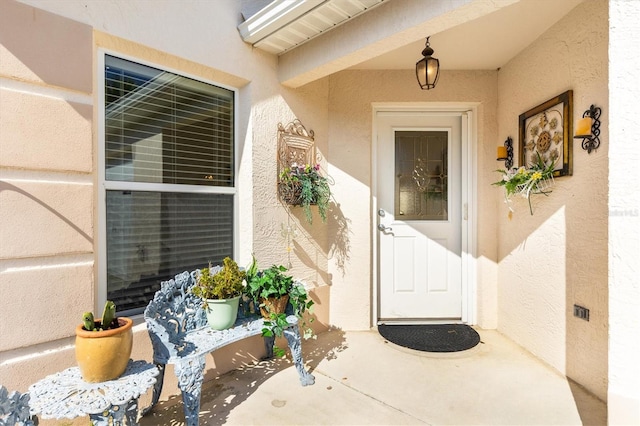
[427, 68]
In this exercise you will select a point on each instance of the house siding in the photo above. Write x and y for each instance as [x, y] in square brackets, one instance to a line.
[46, 186]
[558, 257]
[530, 270]
[48, 169]
[352, 95]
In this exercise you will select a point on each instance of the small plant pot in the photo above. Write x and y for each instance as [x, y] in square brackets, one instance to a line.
[104, 355]
[222, 313]
[273, 305]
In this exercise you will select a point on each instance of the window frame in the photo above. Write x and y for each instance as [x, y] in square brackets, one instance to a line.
[104, 185]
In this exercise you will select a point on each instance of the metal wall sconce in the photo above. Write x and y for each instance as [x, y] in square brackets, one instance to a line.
[427, 68]
[505, 153]
[588, 129]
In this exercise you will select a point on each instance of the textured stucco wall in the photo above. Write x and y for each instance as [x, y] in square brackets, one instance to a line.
[558, 257]
[46, 186]
[350, 131]
[48, 143]
[624, 214]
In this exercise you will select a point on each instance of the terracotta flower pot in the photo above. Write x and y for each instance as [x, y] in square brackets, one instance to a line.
[104, 355]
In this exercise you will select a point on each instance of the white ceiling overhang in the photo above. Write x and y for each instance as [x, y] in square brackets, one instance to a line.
[316, 38]
[285, 24]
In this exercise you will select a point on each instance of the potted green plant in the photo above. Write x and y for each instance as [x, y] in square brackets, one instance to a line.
[221, 289]
[303, 185]
[274, 290]
[103, 345]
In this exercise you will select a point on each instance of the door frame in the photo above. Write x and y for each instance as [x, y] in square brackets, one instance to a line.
[469, 199]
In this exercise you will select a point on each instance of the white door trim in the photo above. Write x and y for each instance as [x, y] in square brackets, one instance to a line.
[469, 197]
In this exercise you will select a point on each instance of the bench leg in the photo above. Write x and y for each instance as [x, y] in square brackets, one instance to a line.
[292, 334]
[131, 412]
[190, 376]
[268, 345]
[157, 389]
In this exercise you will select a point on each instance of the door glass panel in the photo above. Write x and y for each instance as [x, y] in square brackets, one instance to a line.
[421, 191]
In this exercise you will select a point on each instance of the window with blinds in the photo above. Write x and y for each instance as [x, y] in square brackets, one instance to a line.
[169, 178]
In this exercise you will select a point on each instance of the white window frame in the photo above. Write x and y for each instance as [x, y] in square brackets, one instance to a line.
[105, 185]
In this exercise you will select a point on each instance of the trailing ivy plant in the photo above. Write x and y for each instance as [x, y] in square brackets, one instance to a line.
[274, 283]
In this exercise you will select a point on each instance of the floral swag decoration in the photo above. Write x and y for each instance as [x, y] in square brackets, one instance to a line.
[538, 179]
[303, 185]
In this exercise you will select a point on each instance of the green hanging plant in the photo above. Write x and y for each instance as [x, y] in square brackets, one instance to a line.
[303, 185]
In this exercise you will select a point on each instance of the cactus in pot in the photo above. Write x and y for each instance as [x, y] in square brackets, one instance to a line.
[103, 345]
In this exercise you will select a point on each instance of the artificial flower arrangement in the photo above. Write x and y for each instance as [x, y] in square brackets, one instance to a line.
[538, 179]
[303, 185]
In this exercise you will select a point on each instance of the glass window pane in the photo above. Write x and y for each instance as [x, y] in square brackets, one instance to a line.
[165, 128]
[421, 163]
[152, 236]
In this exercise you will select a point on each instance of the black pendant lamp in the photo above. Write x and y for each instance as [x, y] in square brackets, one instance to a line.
[427, 68]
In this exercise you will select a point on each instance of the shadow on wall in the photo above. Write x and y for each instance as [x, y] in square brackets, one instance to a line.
[339, 243]
[220, 396]
[590, 413]
[4, 186]
[339, 236]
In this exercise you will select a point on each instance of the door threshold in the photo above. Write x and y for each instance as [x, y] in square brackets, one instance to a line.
[419, 321]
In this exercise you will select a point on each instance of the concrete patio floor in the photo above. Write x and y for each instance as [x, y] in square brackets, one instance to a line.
[363, 380]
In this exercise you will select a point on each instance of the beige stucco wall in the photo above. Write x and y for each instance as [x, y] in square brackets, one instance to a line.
[49, 249]
[528, 278]
[558, 257]
[46, 186]
[352, 94]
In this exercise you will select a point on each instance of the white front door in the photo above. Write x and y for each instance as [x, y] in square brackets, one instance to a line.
[419, 214]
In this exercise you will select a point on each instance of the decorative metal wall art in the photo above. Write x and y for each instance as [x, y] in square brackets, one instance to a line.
[295, 145]
[546, 131]
[295, 148]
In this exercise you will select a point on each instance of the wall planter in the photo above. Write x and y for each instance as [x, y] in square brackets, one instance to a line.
[104, 355]
[303, 185]
[300, 180]
[525, 182]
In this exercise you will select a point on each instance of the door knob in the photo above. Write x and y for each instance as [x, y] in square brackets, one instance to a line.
[383, 228]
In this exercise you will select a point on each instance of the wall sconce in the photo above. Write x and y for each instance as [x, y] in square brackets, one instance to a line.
[588, 129]
[427, 68]
[505, 153]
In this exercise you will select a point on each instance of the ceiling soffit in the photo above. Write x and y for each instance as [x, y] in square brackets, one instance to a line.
[285, 24]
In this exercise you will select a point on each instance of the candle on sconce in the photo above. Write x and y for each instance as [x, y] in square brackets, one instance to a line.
[583, 127]
[502, 153]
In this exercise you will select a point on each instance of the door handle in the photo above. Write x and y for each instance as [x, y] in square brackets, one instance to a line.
[384, 229]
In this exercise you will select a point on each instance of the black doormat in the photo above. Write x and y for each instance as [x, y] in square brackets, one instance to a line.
[431, 338]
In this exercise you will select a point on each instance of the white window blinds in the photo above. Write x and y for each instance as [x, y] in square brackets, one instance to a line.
[162, 128]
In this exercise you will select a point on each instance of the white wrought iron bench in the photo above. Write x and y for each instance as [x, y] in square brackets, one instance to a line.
[180, 335]
[14, 409]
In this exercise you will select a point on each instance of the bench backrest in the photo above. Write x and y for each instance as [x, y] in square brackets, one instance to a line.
[173, 312]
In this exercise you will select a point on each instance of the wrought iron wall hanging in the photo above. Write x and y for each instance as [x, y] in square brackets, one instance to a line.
[300, 180]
